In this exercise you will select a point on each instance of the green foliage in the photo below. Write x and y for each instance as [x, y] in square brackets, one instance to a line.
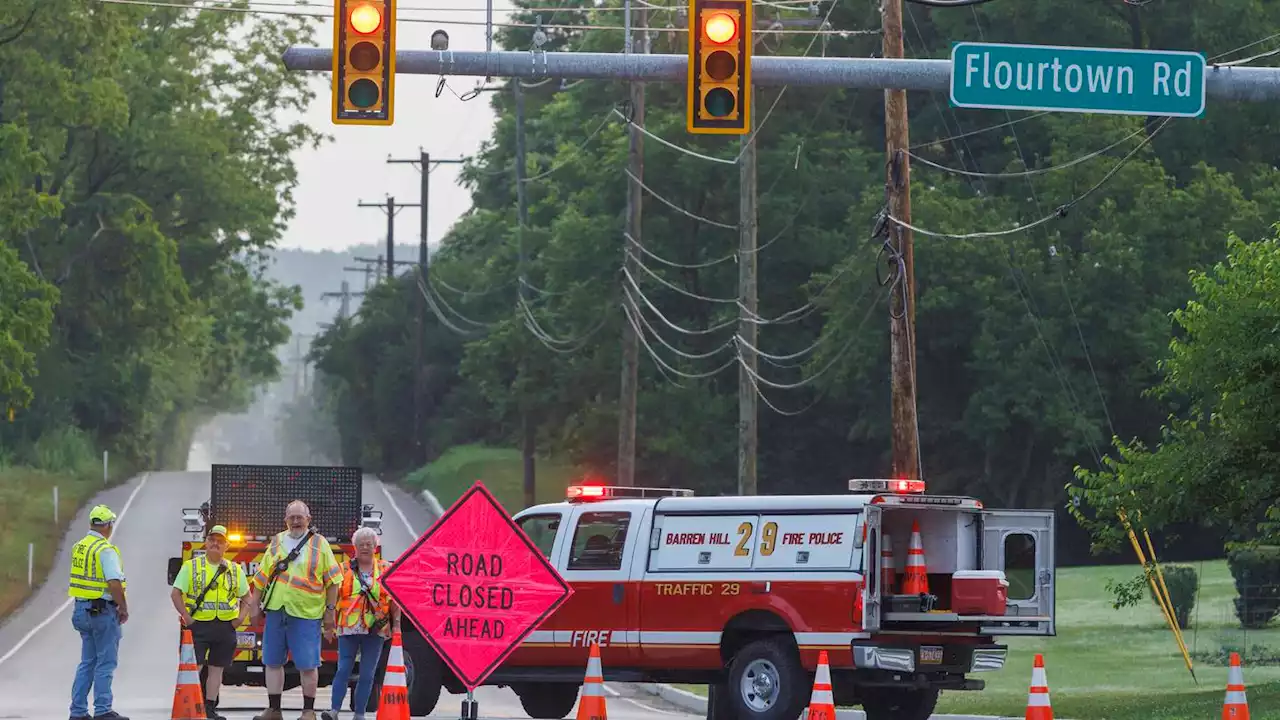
[500, 469]
[1182, 584]
[1034, 349]
[1257, 574]
[142, 172]
[1210, 467]
[66, 451]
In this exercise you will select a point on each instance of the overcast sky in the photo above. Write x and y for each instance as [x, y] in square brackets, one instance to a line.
[354, 166]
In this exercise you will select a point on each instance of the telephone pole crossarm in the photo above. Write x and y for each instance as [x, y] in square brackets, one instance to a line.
[1247, 84]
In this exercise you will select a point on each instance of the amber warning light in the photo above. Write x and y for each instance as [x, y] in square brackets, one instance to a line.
[366, 19]
[721, 28]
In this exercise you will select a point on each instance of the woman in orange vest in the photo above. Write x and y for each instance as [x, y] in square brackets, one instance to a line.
[366, 617]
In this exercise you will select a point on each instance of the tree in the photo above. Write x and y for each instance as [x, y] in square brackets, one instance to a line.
[1216, 464]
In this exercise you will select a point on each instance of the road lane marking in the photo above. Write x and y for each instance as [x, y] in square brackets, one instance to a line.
[62, 608]
[412, 534]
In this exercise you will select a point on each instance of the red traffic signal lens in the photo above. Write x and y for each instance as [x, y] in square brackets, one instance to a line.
[720, 28]
[366, 19]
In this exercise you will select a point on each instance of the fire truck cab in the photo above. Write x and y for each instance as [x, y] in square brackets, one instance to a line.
[744, 593]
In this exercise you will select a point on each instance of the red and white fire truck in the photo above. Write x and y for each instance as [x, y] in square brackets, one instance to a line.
[743, 593]
[250, 500]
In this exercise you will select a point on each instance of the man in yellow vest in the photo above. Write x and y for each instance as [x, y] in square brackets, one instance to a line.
[97, 583]
[207, 595]
[297, 587]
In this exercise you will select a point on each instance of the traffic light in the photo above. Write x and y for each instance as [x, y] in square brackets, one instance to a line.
[719, 67]
[364, 62]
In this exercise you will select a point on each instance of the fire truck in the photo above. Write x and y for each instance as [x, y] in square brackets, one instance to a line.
[742, 594]
[250, 501]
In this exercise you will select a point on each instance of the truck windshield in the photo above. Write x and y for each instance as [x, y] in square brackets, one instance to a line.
[541, 529]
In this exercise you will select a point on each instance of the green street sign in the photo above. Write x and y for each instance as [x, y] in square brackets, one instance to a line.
[1077, 79]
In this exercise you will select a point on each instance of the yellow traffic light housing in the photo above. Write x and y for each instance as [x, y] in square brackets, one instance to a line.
[719, 94]
[364, 62]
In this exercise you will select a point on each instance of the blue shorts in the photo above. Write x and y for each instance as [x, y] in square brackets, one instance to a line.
[285, 635]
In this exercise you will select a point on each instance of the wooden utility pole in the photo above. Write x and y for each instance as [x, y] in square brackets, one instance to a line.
[527, 429]
[902, 303]
[630, 340]
[391, 208]
[748, 417]
[423, 164]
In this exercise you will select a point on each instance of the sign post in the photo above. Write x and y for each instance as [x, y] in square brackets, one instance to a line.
[1077, 79]
[475, 586]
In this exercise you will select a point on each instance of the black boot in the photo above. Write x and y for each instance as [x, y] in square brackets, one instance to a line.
[211, 710]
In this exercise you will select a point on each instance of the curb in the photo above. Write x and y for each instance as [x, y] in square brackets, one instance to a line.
[682, 699]
[432, 504]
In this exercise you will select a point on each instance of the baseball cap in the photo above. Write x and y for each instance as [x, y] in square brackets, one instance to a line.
[101, 515]
[217, 530]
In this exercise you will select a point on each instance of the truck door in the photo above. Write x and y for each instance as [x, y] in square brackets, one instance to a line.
[871, 577]
[596, 560]
[539, 648]
[1020, 542]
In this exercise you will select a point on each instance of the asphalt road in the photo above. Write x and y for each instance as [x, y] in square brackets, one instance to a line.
[39, 649]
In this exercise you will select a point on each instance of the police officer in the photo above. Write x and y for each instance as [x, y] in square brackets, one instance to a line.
[207, 595]
[97, 584]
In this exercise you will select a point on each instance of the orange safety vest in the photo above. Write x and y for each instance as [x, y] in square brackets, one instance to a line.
[353, 608]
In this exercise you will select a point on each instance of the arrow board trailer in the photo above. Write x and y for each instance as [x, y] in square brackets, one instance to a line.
[718, 590]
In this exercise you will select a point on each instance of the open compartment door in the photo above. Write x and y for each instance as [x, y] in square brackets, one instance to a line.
[1020, 542]
[871, 576]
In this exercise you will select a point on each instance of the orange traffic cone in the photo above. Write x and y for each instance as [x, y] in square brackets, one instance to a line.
[591, 704]
[1038, 706]
[394, 704]
[822, 704]
[915, 580]
[888, 572]
[1235, 706]
[188, 700]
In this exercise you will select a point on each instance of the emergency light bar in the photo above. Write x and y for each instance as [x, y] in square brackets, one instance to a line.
[900, 487]
[591, 493]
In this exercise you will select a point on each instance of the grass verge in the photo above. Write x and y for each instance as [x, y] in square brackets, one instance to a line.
[26, 514]
[1108, 664]
[500, 469]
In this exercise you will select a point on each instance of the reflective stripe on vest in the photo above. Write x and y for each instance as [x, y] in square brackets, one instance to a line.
[351, 605]
[87, 581]
[221, 602]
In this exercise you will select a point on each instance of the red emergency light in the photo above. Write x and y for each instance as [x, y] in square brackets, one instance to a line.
[898, 487]
[592, 493]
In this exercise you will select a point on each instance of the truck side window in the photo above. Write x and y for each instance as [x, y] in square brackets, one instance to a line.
[1020, 565]
[541, 529]
[598, 541]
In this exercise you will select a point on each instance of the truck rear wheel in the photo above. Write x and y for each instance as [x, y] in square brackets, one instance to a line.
[766, 681]
[548, 701]
[894, 704]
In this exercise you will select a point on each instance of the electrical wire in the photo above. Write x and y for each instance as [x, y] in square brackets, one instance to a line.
[1272, 36]
[630, 279]
[672, 145]
[645, 342]
[672, 263]
[640, 264]
[1029, 172]
[980, 131]
[432, 21]
[675, 207]
[1060, 212]
[727, 344]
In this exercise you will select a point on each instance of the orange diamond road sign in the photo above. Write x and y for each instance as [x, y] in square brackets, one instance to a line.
[475, 586]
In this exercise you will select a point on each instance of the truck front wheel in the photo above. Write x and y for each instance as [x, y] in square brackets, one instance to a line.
[894, 704]
[766, 681]
[548, 701]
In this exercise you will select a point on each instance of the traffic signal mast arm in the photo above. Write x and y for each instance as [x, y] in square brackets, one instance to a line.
[1234, 83]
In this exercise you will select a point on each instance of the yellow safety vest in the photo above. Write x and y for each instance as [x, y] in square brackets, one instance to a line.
[221, 602]
[87, 579]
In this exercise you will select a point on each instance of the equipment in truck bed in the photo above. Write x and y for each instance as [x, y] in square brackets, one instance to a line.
[251, 499]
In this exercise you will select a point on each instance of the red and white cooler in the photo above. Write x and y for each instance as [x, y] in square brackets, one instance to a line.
[979, 592]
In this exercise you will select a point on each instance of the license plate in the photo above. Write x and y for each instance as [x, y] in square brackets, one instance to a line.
[246, 640]
[930, 655]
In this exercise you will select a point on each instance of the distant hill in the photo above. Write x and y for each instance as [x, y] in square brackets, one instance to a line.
[318, 272]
